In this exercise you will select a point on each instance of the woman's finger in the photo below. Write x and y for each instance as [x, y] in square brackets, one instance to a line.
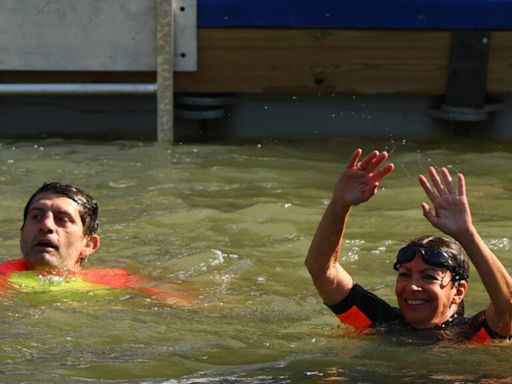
[377, 161]
[365, 164]
[448, 181]
[429, 215]
[383, 172]
[462, 184]
[355, 158]
[426, 187]
[436, 181]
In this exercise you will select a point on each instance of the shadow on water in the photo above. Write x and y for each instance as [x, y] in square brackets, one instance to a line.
[374, 364]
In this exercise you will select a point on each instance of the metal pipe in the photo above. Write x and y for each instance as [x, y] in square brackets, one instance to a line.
[78, 89]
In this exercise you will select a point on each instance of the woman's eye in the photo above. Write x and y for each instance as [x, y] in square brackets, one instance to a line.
[430, 278]
[403, 275]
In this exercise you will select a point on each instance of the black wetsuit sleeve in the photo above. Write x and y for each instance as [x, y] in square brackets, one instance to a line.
[376, 310]
[491, 333]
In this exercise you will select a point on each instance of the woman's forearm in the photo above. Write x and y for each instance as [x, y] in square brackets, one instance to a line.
[331, 280]
[495, 278]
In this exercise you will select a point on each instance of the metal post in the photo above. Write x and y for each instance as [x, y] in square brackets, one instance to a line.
[165, 70]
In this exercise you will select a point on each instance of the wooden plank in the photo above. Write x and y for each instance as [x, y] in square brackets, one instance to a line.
[294, 61]
[312, 60]
[499, 79]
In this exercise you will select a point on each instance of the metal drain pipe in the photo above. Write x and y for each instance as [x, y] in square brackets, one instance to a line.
[78, 89]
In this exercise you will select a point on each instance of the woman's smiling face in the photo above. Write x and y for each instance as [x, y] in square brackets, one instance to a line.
[426, 295]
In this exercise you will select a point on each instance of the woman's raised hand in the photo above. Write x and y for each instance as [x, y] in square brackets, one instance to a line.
[360, 180]
[450, 213]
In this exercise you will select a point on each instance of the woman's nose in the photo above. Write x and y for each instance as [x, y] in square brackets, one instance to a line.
[415, 285]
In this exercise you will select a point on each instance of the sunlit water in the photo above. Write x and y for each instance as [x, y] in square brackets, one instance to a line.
[233, 223]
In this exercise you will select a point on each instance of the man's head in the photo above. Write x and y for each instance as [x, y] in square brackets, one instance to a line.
[59, 227]
[88, 205]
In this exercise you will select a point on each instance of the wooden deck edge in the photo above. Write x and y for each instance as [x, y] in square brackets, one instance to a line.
[312, 61]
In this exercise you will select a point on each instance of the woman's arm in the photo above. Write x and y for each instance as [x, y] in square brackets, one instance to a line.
[358, 182]
[452, 216]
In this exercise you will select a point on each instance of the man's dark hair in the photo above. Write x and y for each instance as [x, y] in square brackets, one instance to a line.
[88, 205]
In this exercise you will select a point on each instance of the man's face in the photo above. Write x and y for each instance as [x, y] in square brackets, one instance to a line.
[52, 237]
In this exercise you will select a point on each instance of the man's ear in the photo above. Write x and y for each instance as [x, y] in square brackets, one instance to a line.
[92, 243]
[461, 289]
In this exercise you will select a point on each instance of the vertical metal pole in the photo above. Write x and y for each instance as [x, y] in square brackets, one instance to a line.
[165, 70]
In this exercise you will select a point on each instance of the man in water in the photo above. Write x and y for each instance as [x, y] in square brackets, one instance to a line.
[58, 234]
[432, 277]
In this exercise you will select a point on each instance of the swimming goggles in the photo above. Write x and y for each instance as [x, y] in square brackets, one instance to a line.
[431, 256]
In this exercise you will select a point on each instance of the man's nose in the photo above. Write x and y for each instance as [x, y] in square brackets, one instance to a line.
[47, 223]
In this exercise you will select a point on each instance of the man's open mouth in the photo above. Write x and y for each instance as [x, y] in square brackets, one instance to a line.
[46, 244]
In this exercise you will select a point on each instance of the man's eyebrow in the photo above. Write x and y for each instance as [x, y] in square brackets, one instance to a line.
[53, 209]
[36, 208]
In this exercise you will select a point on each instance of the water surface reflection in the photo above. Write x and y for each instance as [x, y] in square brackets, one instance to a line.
[234, 222]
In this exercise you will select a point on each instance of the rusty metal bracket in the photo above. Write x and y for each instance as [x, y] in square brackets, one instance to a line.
[466, 86]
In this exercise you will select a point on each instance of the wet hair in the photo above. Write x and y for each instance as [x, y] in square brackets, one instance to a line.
[88, 205]
[456, 254]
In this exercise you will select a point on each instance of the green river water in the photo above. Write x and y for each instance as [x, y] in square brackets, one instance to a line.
[233, 223]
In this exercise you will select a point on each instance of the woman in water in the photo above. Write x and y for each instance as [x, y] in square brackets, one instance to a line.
[432, 271]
